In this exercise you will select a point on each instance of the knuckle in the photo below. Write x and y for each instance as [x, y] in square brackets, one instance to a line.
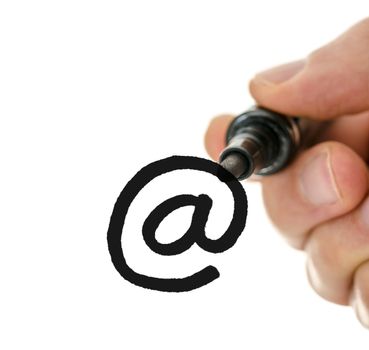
[326, 266]
[322, 251]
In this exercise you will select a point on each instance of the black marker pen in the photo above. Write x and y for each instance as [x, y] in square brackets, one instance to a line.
[263, 142]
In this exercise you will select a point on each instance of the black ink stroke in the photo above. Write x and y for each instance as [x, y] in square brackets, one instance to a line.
[196, 232]
[202, 206]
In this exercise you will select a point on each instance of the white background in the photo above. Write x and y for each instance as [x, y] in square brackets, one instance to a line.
[90, 92]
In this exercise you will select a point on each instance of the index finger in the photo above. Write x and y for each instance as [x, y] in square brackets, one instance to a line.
[215, 135]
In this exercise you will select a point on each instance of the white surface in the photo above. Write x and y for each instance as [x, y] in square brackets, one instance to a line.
[90, 92]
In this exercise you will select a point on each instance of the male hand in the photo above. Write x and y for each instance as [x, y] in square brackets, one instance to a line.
[320, 202]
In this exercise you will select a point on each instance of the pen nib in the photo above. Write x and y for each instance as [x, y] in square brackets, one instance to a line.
[235, 163]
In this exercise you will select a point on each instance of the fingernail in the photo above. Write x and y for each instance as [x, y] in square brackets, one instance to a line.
[317, 181]
[361, 309]
[313, 275]
[364, 212]
[280, 74]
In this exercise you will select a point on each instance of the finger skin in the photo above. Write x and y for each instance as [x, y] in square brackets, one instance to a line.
[286, 202]
[215, 135]
[352, 130]
[333, 81]
[335, 250]
[360, 294]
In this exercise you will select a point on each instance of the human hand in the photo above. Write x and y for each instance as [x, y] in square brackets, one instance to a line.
[320, 202]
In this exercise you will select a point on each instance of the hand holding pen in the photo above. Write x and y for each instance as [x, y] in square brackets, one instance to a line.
[318, 197]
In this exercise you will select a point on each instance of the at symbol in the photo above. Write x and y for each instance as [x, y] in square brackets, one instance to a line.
[196, 232]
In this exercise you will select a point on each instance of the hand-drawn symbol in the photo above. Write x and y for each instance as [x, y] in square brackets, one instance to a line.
[195, 233]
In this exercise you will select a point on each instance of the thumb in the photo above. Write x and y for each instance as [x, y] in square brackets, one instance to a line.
[330, 82]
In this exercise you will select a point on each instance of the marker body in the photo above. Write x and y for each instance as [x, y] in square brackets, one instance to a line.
[261, 141]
